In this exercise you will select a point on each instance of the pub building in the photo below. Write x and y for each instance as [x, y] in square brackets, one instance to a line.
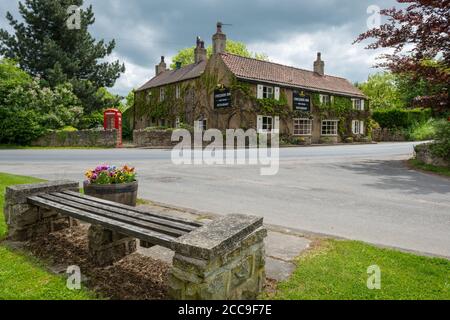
[226, 91]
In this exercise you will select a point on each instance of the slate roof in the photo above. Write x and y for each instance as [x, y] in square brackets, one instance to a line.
[257, 70]
[171, 76]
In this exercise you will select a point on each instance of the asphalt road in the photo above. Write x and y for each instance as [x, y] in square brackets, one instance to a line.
[361, 192]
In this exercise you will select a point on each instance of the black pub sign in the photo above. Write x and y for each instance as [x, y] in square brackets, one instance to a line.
[222, 98]
[301, 101]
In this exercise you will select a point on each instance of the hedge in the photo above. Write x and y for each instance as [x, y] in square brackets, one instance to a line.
[401, 118]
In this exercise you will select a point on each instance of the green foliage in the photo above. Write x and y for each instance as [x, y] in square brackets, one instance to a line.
[383, 92]
[337, 270]
[91, 121]
[19, 126]
[28, 111]
[11, 77]
[422, 131]
[186, 55]
[111, 175]
[444, 171]
[441, 147]
[401, 118]
[44, 46]
[272, 107]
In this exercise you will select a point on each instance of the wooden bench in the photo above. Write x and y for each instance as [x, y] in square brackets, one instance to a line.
[153, 228]
[222, 259]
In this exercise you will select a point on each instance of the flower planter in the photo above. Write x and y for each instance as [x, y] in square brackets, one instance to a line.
[125, 193]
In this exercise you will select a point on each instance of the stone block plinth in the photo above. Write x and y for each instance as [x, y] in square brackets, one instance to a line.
[224, 260]
[25, 221]
[107, 247]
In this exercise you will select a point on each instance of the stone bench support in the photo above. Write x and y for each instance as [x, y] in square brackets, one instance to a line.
[224, 260]
[26, 222]
[107, 246]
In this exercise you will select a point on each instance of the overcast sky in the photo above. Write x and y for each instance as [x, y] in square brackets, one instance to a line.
[289, 31]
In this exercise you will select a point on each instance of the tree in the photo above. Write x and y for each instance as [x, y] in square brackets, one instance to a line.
[423, 25]
[382, 90]
[186, 56]
[11, 76]
[45, 47]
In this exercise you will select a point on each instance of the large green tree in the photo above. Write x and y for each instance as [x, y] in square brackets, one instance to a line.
[186, 56]
[48, 44]
[382, 90]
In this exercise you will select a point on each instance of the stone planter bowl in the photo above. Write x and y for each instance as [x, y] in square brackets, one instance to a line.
[125, 193]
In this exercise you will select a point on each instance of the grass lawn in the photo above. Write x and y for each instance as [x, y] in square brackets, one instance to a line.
[428, 167]
[337, 270]
[23, 277]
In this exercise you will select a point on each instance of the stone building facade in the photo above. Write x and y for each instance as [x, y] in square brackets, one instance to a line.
[226, 91]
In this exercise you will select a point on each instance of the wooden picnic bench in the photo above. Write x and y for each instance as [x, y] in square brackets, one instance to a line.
[222, 259]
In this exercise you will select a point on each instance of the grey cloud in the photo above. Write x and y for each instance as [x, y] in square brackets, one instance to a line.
[144, 29]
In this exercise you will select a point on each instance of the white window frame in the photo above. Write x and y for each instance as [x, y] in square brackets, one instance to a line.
[358, 127]
[358, 104]
[178, 92]
[329, 133]
[201, 124]
[268, 92]
[306, 131]
[266, 124]
[162, 94]
[325, 99]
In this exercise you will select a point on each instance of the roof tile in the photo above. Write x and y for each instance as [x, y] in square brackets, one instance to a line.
[258, 70]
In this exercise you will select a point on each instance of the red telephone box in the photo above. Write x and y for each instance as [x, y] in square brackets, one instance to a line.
[113, 120]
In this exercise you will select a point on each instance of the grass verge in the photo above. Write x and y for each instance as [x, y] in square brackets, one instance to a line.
[337, 270]
[416, 164]
[23, 277]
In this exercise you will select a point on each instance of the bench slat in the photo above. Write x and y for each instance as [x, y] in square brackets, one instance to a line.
[121, 227]
[111, 215]
[159, 221]
[134, 209]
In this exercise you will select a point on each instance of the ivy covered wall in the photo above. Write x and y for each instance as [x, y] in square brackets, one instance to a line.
[197, 102]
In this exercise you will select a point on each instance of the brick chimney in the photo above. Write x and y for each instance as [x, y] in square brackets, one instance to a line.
[161, 67]
[200, 51]
[319, 65]
[219, 40]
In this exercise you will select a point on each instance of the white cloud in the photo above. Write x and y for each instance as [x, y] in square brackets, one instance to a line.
[134, 76]
[341, 57]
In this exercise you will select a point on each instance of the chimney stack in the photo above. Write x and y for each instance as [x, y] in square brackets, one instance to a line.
[219, 40]
[161, 67]
[319, 65]
[200, 51]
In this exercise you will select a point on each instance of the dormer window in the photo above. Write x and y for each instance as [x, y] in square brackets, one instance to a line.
[325, 99]
[268, 92]
[358, 104]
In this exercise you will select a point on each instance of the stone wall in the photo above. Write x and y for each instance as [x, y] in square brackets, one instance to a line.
[25, 221]
[423, 154]
[224, 260]
[83, 138]
[153, 138]
[380, 135]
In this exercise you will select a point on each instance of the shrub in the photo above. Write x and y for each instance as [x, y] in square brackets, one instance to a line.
[401, 118]
[441, 147]
[20, 126]
[421, 131]
[91, 121]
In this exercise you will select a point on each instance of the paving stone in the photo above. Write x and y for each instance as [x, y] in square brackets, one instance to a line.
[285, 247]
[158, 253]
[278, 270]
